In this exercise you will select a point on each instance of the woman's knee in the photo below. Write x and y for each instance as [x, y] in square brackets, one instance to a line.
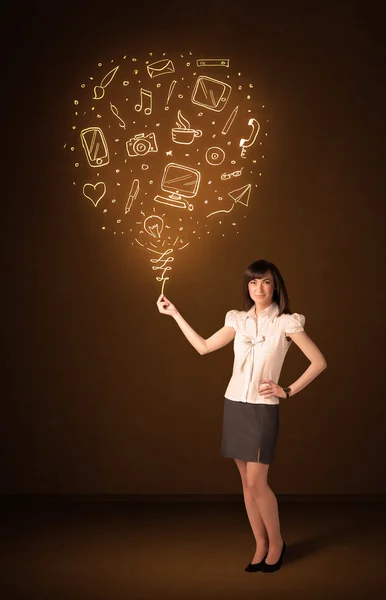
[256, 476]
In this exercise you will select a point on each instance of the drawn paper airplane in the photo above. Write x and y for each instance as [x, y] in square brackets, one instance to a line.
[241, 194]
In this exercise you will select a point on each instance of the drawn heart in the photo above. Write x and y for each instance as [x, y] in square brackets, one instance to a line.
[95, 192]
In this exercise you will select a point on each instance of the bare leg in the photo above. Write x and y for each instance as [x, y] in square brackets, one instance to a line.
[265, 499]
[255, 520]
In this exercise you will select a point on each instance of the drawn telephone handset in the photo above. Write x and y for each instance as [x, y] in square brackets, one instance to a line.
[244, 144]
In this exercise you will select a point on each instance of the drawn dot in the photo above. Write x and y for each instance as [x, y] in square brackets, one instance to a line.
[205, 201]
[180, 95]
[200, 114]
[74, 127]
[99, 116]
[93, 108]
[214, 135]
[233, 223]
[188, 64]
[77, 164]
[158, 85]
[151, 181]
[134, 59]
[72, 148]
[239, 74]
[229, 143]
[118, 184]
[220, 198]
[117, 170]
[92, 78]
[113, 200]
[105, 210]
[83, 85]
[99, 64]
[233, 162]
[240, 87]
[136, 72]
[248, 97]
[103, 227]
[251, 85]
[76, 113]
[254, 160]
[119, 221]
[157, 125]
[76, 102]
[166, 108]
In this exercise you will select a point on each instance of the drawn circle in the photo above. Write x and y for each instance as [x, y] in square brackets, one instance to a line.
[145, 167]
[215, 156]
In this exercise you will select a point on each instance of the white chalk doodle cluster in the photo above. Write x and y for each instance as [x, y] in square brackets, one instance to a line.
[165, 146]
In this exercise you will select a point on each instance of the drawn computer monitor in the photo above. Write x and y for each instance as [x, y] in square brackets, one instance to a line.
[179, 182]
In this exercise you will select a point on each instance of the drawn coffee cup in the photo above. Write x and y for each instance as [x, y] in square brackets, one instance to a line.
[185, 136]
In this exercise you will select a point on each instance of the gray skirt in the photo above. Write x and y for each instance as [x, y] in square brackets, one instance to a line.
[248, 428]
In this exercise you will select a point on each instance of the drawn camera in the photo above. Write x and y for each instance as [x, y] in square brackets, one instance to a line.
[141, 144]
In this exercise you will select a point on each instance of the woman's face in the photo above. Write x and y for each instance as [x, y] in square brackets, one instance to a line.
[261, 290]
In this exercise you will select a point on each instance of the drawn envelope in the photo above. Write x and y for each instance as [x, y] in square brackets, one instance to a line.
[160, 67]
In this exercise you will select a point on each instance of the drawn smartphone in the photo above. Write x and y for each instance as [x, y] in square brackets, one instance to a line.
[211, 93]
[95, 146]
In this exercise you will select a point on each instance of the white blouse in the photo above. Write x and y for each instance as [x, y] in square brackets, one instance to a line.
[260, 346]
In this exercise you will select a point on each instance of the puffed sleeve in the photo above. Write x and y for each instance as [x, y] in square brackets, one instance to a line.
[294, 323]
[230, 318]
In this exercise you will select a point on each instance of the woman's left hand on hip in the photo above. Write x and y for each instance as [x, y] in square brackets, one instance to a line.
[269, 389]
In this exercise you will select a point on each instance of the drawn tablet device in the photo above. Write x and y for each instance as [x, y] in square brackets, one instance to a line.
[211, 93]
[95, 146]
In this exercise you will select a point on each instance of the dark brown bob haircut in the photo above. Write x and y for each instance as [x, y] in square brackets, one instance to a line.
[256, 270]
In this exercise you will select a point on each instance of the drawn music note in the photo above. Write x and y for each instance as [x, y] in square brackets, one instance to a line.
[148, 97]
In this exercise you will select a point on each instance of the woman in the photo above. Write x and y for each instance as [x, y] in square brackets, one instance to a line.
[262, 335]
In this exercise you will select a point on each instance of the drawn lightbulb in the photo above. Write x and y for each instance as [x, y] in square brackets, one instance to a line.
[154, 225]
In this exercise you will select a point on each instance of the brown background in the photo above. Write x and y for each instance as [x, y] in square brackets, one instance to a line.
[101, 393]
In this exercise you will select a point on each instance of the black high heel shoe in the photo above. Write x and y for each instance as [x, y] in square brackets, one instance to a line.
[276, 566]
[253, 567]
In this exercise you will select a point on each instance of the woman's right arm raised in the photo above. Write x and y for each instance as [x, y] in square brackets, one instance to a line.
[220, 338]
